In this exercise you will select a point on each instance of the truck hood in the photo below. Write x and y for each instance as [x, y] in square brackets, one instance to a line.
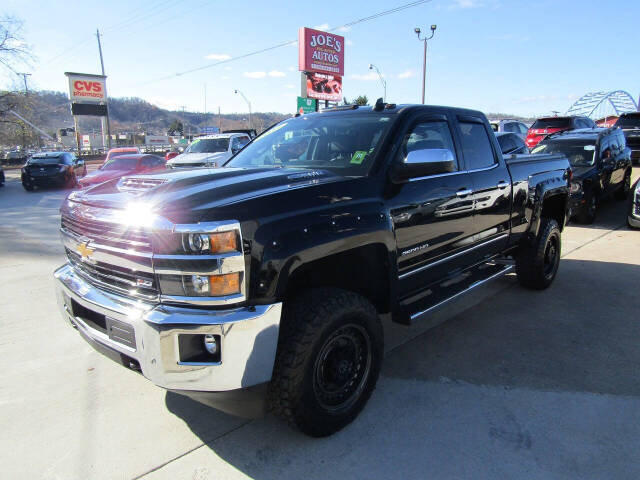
[187, 158]
[185, 195]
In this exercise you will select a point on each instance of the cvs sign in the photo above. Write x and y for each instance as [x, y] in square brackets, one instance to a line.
[86, 88]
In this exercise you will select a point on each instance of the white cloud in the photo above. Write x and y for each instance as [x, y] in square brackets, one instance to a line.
[406, 74]
[324, 26]
[368, 77]
[218, 56]
[292, 69]
[276, 74]
[228, 68]
[224, 77]
[344, 29]
[254, 74]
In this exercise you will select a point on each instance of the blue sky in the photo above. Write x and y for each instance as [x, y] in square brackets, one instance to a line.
[520, 57]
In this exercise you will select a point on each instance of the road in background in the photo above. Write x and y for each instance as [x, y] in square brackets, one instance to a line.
[516, 384]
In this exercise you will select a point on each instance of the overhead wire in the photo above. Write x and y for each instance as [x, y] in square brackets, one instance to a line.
[284, 44]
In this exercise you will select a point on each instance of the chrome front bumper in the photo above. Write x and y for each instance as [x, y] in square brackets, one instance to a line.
[248, 336]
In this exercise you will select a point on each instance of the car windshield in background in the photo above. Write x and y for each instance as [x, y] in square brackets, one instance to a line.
[208, 145]
[119, 154]
[46, 160]
[551, 123]
[346, 145]
[581, 153]
[631, 121]
[120, 163]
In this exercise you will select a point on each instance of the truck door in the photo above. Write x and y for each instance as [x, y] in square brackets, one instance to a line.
[431, 215]
[491, 187]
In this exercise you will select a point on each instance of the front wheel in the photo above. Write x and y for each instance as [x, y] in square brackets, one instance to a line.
[537, 262]
[588, 213]
[27, 186]
[623, 191]
[328, 361]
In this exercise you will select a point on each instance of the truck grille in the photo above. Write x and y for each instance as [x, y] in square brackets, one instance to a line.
[107, 234]
[115, 278]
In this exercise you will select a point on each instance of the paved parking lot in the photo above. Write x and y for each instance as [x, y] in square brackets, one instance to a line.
[516, 384]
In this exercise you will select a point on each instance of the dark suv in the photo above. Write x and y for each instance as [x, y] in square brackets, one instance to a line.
[601, 163]
[630, 125]
[548, 125]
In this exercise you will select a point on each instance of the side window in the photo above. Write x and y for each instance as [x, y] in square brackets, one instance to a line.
[147, 162]
[506, 143]
[605, 148]
[523, 128]
[243, 141]
[476, 146]
[429, 134]
[510, 127]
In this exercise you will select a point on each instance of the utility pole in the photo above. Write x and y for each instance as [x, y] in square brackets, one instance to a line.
[104, 120]
[424, 57]
[205, 105]
[24, 77]
[219, 121]
[183, 107]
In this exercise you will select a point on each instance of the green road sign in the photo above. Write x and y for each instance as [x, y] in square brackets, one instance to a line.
[306, 105]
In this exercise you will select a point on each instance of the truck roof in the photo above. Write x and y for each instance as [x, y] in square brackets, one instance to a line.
[392, 108]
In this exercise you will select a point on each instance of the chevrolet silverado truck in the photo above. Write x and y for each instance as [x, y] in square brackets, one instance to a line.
[259, 286]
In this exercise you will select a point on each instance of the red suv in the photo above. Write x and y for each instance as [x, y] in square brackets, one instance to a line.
[548, 125]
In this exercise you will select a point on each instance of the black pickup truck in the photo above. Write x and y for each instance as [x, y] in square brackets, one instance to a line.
[261, 284]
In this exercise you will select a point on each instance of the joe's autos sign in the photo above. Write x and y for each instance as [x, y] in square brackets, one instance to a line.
[320, 52]
[87, 88]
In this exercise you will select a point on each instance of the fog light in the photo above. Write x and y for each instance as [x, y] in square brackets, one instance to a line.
[210, 344]
[200, 283]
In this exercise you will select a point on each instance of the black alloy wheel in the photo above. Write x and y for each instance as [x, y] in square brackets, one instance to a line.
[551, 256]
[342, 368]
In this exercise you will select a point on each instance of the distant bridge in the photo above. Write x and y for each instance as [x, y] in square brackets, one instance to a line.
[602, 104]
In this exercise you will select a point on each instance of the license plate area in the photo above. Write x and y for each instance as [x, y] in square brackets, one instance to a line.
[116, 330]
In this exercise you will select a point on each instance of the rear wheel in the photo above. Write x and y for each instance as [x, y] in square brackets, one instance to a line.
[588, 213]
[537, 261]
[328, 360]
[623, 191]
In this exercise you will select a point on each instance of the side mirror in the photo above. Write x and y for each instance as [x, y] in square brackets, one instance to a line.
[80, 161]
[420, 163]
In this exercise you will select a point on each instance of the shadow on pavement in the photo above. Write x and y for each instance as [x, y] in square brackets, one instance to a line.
[522, 348]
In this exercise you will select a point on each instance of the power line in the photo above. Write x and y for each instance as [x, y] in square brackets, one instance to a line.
[291, 42]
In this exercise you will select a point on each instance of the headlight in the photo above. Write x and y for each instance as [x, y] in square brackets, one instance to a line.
[222, 242]
[576, 186]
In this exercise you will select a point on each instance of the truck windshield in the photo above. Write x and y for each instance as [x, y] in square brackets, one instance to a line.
[559, 122]
[346, 145]
[581, 153]
[629, 121]
[208, 145]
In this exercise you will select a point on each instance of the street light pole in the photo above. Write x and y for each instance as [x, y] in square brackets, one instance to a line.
[24, 77]
[424, 57]
[382, 80]
[248, 103]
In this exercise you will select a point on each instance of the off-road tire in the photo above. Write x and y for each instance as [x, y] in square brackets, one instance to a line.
[311, 322]
[27, 186]
[587, 215]
[534, 267]
[623, 192]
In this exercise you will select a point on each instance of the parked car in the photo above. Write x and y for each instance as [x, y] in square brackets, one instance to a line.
[169, 155]
[16, 157]
[511, 143]
[630, 125]
[210, 150]
[116, 152]
[548, 125]
[514, 126]
[601, 164]
[1, 175]
[249, 131]
[122, 165]
[52, 169]
[267, 280]
[633, 219]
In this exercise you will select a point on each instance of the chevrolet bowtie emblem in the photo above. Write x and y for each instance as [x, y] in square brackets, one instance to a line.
[85, 251]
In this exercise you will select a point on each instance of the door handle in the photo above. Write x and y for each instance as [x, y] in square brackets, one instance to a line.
[502, 185]
[464, 192]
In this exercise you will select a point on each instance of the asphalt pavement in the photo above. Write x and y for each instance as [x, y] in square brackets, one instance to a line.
[515, 384]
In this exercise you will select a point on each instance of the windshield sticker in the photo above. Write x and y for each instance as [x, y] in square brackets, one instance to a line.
[358, 157]
[590, 147]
